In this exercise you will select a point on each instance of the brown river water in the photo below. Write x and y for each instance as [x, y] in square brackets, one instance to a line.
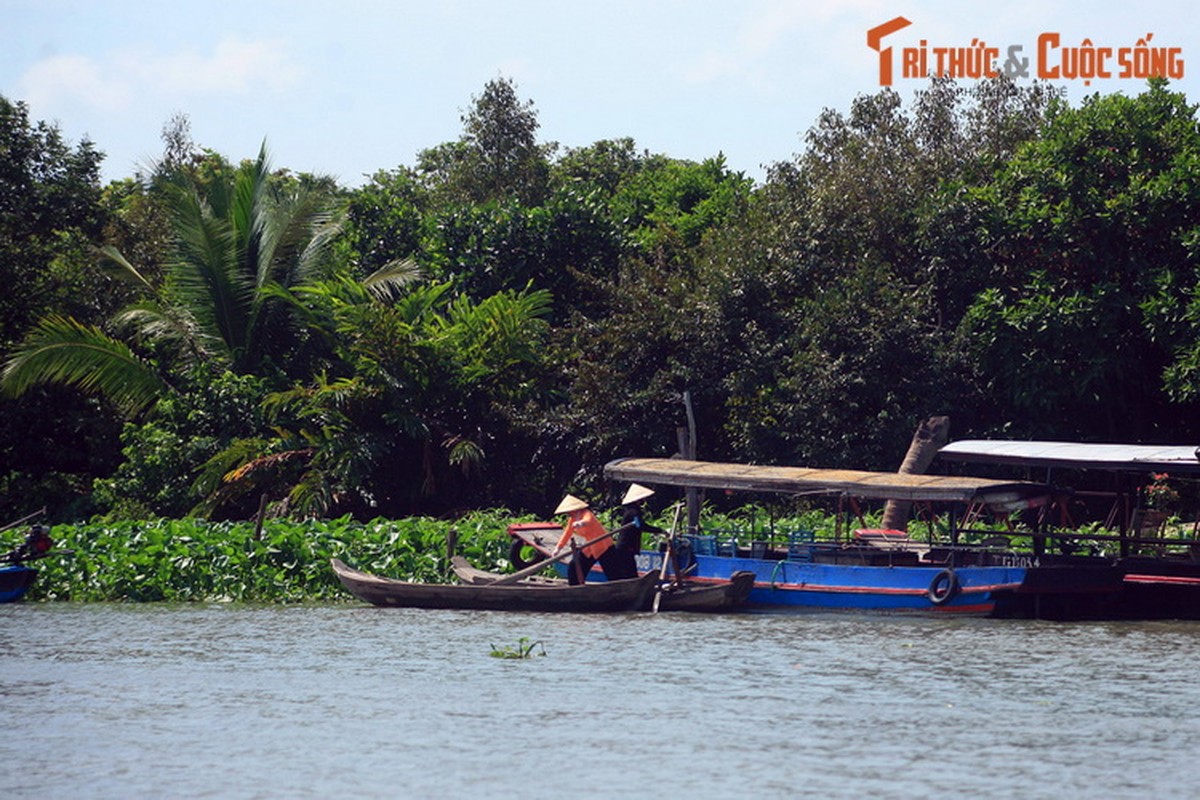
[234, 701]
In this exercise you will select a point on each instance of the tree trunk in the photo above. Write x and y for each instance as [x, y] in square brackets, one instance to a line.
[687, 449]
[931, 435]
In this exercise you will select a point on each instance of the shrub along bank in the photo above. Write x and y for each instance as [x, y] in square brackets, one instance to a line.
[288, 561]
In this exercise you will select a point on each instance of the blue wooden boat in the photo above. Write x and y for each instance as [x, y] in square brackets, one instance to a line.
[830, 576]
[16, 576]
[15, 581]
[879, 570]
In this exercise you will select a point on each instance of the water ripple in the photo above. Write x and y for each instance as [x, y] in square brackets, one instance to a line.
[244, 701]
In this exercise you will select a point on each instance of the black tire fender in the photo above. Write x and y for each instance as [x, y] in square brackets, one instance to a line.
[944, 587]
[517, 557]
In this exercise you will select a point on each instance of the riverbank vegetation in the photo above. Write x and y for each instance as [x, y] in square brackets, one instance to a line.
[286, 561]
[189, 560]
[488, 325]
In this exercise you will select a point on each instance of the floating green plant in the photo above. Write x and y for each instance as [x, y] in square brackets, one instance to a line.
[523, 649]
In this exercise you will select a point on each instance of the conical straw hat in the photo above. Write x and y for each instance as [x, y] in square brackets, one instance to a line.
[636, 492]
[570, 503]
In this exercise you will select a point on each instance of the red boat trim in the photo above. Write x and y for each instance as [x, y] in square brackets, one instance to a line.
[808, 587]
[1174, 580]
[995, 587]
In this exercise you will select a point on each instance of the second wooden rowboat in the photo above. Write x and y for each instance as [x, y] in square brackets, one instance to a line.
[685, 596]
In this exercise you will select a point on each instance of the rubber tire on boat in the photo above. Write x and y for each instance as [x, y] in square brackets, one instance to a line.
[518, 560]
[944, 587]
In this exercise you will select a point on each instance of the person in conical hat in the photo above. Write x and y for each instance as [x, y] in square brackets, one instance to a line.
[570, 503]
[636, 494]
[584, 528]
[623, 562]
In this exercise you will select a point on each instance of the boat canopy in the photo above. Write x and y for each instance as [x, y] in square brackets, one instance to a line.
[1074, 455]
[804, 480]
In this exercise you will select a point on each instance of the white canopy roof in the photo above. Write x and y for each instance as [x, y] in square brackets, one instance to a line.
[1076, 455]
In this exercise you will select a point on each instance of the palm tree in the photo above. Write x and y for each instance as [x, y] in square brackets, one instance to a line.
[239, 244]
[377, 390]
[420, 379]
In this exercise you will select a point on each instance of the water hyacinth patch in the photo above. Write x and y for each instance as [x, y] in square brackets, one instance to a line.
[197, 560]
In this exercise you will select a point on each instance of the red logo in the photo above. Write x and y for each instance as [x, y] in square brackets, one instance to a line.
[875, 37]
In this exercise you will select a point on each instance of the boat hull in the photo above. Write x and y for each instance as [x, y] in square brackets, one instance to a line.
[1160, 589]
[894, 578]
[866, 580]
[630, 595]
[15, 582]
[695, 596]
[781, 585]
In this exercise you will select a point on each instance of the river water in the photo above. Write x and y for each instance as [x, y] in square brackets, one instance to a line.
[234, 701]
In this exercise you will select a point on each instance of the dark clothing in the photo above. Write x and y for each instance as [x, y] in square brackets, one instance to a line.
[580, 566]
[616, 563]
[631, 538]
[622, 558]
[619, 564]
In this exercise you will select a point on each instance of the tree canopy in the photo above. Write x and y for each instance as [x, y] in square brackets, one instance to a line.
[492, 323]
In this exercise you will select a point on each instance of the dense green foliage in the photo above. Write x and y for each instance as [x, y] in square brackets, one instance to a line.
[488, 326]
[192, 560]
[52, 441]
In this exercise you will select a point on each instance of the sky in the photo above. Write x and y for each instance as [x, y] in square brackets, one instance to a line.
[346, 89]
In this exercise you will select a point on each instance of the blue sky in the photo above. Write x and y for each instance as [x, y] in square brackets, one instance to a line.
[349, 88]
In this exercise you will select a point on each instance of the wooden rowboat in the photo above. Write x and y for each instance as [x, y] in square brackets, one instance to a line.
[696, 596]
[629, 595]
[685, 596]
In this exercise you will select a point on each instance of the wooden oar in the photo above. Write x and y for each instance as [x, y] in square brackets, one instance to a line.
[563, 556]
[666, 557]
[24, 518]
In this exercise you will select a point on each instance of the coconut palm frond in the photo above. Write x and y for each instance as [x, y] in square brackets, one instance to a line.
[205, 278]
[387, 281]
[299, 238]
[61, 350]
[249, 207]
[421, 303]
[464, 454]
[501, 330]
[153, 322]
[324, 228]
[311, 497]
[172, 325]
[117, 266]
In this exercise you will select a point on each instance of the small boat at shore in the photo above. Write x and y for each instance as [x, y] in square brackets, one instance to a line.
[16, 577]
[682, 596]
[628, 595]
[15, 582]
